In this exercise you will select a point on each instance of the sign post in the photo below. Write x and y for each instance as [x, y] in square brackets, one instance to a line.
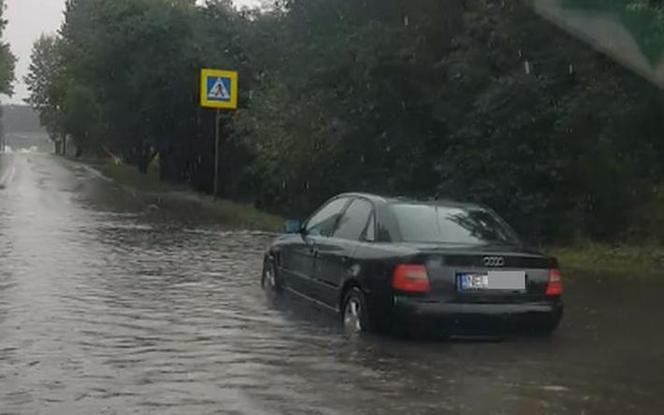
[219, 91]
[217, 151]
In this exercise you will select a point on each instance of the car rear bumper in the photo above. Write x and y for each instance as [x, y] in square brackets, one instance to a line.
[477, 318]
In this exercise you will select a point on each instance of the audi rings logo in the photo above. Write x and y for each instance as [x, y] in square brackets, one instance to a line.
[493, 261]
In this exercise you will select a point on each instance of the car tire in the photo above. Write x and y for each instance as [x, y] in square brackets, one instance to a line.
[354, 314]
[269, 280]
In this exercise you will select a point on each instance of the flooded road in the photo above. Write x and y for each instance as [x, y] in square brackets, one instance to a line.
[108, 307]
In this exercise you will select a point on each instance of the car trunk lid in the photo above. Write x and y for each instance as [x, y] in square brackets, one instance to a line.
[486, 274]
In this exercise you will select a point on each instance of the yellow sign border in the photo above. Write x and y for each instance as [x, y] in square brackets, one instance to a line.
[218, 73]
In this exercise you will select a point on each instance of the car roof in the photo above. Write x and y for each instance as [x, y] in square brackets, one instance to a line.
[391, 200]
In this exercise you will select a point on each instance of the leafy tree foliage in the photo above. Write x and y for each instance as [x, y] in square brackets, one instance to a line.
[21, 119]
[48, 84]
[468, 99]
[7, 65]
[7, 59]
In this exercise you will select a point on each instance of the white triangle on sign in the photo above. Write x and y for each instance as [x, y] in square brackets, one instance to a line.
[219, 91]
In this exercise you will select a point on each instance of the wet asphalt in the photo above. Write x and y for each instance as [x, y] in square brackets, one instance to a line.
[110, 307]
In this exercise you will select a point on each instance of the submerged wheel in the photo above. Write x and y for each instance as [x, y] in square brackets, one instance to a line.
[269, 279]
[354, 315]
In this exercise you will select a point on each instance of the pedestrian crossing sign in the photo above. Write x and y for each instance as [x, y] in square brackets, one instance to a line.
[219, 89]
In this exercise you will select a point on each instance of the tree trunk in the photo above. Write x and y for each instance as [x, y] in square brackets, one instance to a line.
[143, 163]
[147, 154]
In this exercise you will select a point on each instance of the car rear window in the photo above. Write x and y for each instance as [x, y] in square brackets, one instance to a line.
[439, 224]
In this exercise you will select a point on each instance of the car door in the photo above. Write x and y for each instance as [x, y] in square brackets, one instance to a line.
[300, 270]
[335, 252]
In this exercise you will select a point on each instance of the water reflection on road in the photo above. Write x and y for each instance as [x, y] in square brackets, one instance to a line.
[108, 307]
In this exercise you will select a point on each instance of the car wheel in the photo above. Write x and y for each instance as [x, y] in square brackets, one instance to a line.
[354, 314]
[269, 279]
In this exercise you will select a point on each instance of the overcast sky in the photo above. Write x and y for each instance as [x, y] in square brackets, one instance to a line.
[27, 20]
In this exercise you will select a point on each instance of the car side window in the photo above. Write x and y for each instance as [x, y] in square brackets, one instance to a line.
[370, 233]
[322, 223]
[354, 221]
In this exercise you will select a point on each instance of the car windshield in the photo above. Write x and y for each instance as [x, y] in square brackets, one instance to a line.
[451, 225]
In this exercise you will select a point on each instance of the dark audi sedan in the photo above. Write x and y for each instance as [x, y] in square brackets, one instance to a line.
[417, 267]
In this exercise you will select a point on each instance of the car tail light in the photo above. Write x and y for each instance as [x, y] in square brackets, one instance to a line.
[555, 286]
[411, 279]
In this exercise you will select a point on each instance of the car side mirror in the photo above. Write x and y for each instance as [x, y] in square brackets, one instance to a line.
[293, 226]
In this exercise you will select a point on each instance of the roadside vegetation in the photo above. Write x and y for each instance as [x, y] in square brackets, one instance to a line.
[7, 65]
[605, 260]
[7, 58]
[159, 194]
[475, 100]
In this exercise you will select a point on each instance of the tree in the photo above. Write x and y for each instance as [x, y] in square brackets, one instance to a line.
[468, 99]
[48, 85]
[7, 59]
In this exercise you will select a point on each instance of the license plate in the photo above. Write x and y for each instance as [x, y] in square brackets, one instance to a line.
[492, 280]
[467, 282]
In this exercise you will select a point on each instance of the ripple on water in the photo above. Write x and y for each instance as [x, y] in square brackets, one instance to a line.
[105, 311]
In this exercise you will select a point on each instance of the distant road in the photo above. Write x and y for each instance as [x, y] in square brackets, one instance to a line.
[29, 141]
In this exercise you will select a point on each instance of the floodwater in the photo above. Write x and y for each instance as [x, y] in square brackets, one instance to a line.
[109, 307]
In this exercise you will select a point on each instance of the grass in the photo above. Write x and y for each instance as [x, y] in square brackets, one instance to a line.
[183, 199]
[127, 175]
[611, 260]
[637, 252]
